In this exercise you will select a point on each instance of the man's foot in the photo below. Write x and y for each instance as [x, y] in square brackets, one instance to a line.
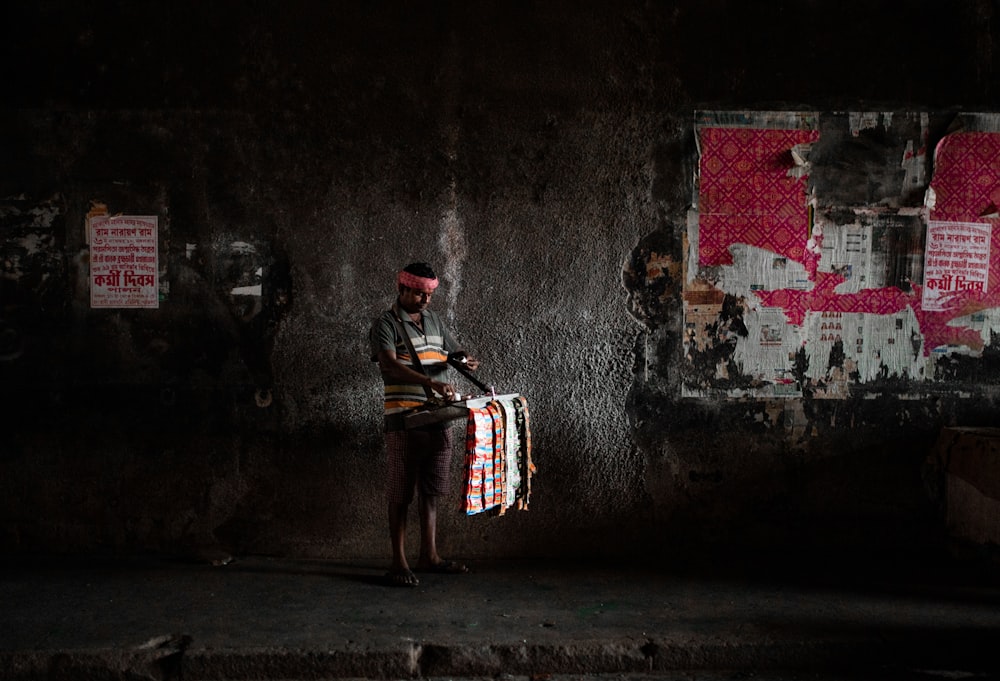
[443, 567]
[401, 577]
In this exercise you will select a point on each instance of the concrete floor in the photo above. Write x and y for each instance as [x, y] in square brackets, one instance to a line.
[270, 618]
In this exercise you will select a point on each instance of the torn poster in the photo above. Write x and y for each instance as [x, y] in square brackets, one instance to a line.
[123, 262]
[824, 255]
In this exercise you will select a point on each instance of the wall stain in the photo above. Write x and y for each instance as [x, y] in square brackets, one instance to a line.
[32, 277]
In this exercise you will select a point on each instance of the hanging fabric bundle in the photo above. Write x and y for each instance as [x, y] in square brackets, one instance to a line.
[498, 455]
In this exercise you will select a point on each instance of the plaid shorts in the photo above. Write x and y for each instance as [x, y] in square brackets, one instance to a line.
[417, 459]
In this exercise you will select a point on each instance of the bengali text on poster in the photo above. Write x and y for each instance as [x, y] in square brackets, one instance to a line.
[123, 261]
[956, 263]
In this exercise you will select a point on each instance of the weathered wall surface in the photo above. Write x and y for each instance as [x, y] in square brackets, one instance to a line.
[542, 156]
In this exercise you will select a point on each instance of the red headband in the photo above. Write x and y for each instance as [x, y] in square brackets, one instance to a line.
[417, 283]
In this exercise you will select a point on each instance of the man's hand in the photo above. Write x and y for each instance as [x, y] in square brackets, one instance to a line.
[446, 390]
[467, 362]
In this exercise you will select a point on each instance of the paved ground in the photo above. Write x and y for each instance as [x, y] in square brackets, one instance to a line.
[263, 618]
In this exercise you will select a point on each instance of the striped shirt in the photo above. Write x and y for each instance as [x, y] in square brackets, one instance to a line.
[432, 345]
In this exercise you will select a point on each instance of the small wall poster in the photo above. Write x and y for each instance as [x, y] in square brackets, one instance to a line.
[957, 262]
[124, 261]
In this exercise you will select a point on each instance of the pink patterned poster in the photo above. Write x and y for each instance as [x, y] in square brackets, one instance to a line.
[966, 180]
[748, 193]
[965, 189]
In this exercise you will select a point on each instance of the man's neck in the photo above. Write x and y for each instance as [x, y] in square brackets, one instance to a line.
[415, 316]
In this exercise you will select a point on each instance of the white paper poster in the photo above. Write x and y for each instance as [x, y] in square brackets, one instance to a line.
[957, 262]
[123, 261]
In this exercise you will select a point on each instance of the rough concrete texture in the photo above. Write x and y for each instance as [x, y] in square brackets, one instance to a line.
[536, 154]
[299, 619]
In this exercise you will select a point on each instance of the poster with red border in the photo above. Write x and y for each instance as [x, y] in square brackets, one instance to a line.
[957, 262]
[124, 262]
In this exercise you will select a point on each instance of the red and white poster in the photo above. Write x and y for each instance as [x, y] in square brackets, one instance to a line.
[124, 261]
[957, 262]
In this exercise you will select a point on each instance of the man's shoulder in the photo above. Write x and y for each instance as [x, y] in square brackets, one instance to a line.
[385, 315]
[384, 319]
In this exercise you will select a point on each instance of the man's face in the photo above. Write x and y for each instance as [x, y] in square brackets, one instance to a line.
[414, 300]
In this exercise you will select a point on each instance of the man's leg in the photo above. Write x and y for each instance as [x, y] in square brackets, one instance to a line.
[399, 571]
[399, 489]
[397, 534]
[428, 532]
[430, 560]
[436, 448]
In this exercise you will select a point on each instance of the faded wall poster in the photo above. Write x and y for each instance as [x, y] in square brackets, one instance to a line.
[123, 262]
[958, 260]
[825, 255]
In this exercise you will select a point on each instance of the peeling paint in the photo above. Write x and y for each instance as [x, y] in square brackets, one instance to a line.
[29, 252]
[868, 120]
[652, 276]
[32, 273]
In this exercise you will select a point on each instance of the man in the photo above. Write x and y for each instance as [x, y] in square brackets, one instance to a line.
[419, 457]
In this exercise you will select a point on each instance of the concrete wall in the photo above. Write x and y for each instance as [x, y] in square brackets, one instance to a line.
[536, 153]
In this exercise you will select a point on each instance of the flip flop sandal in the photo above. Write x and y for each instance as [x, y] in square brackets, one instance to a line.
[445, 567]
[404, 578]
